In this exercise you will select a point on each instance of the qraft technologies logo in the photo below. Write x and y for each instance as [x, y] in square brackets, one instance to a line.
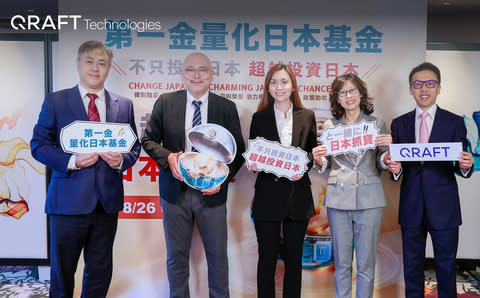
[35, 22]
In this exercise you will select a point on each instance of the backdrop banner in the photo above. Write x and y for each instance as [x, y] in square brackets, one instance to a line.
[318, 40]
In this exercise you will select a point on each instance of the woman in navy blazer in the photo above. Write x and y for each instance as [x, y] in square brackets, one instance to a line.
[354, 197]
[282, 206]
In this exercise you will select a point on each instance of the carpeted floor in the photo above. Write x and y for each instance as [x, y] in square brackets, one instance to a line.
[23, 282]
[467, 284]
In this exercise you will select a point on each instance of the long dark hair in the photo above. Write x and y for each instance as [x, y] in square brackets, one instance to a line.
[267, 99]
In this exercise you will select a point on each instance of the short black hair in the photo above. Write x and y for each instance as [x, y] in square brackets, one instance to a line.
[424, 66]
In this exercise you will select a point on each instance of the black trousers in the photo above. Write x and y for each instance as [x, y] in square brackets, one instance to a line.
[268, 238]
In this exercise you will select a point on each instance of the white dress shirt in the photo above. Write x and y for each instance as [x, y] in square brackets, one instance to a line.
[284, 125]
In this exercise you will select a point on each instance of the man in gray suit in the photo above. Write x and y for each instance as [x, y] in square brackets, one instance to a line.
[165, 140]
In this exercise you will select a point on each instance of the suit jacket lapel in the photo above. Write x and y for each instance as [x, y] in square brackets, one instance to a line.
[270, 118]
[179, 116]
[112, 107]
[296, 126]
[75, 103]
[212, 109]
[409, 124]
[435, 136]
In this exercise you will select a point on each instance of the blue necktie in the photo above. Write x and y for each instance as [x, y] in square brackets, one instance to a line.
[197, 117]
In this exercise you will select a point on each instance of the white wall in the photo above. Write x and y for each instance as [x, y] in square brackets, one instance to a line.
[460, 94]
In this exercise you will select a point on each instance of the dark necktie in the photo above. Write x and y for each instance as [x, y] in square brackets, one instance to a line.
[93, 114]
[197, 117]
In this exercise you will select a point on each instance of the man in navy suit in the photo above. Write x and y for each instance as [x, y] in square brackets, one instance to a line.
[85, 192]
[165, 140]
[429, 201]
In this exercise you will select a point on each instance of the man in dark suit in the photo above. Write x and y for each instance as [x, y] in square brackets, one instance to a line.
[165, 140]
[85, 192]
[429, 201]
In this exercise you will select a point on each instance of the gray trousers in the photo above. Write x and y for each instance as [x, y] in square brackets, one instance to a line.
[355, 230]
[178, 221]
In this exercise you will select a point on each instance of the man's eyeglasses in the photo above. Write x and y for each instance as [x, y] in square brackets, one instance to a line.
[201, 70]
[417, 84]
[343, 93]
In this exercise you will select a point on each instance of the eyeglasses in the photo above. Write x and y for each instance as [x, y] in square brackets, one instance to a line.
[201, 70]
[417, 84]
[343, 93]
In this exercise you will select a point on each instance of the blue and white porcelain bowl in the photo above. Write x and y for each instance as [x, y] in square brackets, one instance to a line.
[201, 171]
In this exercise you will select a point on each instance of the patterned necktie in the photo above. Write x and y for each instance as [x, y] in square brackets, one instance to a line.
[423, 134]
[93, 114]
[197, 117]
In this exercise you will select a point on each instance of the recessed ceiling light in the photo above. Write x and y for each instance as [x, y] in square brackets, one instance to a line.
[30, 10]
[446, 3]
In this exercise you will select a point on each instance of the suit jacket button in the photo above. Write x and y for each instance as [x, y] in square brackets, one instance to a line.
[354, 168]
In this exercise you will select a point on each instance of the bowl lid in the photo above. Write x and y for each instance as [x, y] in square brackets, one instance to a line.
[214, 140]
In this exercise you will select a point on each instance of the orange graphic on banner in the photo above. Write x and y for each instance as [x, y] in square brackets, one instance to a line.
[14, 187]
[141, 207]
[14, 209]
[10, 121]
